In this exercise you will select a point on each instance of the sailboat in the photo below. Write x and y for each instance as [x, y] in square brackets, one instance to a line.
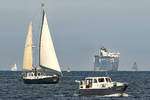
[14, 68]
[134, 67]
[49, 72]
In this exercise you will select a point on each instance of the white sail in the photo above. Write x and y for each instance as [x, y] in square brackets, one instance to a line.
[27, 61]
[48, 58]
[14, 68]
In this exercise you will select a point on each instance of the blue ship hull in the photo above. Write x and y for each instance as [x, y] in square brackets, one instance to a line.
[51, 80]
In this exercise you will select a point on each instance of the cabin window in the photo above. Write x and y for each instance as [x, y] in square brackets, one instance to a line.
[88, 83]
[39, 74]
[101, 79]
[108, 80]
[95, 80]
[81, 82]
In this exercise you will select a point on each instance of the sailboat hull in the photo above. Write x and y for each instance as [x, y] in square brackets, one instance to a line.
[49, 80]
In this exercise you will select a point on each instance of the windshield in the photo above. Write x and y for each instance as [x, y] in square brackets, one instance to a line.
[108, 80]
[101, 79]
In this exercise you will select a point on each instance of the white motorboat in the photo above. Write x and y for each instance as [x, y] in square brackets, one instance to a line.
[100, 86]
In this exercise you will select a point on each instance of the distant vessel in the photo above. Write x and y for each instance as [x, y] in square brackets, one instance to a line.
[49, 72]
[134, 67]
[14, 68]
[68, 70]
[101, 86]
[106, 60]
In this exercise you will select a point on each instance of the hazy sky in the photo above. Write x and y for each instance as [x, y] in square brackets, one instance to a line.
[79, 28]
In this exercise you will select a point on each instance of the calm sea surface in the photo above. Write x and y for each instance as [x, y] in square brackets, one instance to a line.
[13, 88]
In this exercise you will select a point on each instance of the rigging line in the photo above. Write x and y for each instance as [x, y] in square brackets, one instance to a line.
[36, 36]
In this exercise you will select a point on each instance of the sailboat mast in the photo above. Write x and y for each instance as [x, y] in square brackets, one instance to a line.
[43, 13]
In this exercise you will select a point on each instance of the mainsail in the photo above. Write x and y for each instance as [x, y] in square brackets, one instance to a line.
[27, 61]
[48, 58]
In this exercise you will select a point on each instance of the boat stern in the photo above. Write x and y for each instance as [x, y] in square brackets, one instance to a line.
[120, 87]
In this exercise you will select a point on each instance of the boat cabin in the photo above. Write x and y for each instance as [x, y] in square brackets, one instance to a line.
[32, 74]
[96, 82]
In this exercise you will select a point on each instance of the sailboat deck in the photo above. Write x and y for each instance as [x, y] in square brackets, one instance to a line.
[38, 75]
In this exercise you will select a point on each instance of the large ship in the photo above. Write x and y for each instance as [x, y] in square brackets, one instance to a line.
[106, 60]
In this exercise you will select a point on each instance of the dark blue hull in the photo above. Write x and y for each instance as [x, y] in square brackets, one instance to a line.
[102, 92]
[51, 80]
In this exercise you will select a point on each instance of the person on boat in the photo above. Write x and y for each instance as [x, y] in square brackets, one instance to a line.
[35, 72]
[22, 74]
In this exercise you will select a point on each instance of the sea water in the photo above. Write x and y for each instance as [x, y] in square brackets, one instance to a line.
[13, 88]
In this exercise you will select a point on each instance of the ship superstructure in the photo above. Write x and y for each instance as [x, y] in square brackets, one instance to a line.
[106, 60]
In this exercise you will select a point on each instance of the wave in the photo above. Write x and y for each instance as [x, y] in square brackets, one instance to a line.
[115, 95]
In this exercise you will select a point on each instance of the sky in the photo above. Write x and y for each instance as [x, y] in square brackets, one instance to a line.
[79, 28]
